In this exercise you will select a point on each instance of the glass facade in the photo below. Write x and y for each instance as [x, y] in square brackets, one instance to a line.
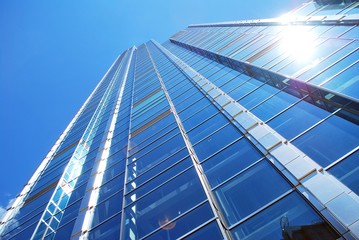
[236, 130]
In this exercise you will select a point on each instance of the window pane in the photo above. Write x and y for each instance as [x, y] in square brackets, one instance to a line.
[216, 141]
[291, 214]
[108, 230]
[210, 231]
[108, 208]
[274, 105]
[65, 231]
[207, 127]
[169, 201]
[250, 191]
[183, 225]
[297, 119]
[347, 82]
[329, 140]
[230, 161]
[347, 171]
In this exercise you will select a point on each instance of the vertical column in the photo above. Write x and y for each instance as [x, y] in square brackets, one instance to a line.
[194, 158]
[84, 220]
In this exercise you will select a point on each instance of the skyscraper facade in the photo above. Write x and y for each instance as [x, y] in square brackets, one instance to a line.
[235, 130]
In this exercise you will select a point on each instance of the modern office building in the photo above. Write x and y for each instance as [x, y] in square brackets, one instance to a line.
[235, 130]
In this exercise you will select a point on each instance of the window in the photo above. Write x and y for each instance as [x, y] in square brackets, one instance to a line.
[250, 191]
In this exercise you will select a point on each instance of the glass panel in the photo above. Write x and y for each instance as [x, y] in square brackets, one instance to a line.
[108, 208]
[141, 190]
[199, 117]
[108, 230]
[158, 154]
[211, 231]
[347, 82]
[347, 171]
[297, 119]
[273, 105]
[183, 225]
[111, 187]
[141, 149]
[207, 127]
[169, 201]
[336, 68]
[329, 140]
[216, 141]
[353, 33]
[65, 231]
[250, 191]
[25, 234]
[245, 88]
[290, 218]
[316, 69]
[154, 170]
[313, 55]
[230, 161]
[257, 96]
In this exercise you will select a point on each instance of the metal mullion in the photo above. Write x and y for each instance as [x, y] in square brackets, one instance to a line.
[195, 160]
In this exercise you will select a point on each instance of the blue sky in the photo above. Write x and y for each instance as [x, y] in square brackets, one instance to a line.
[53, 53]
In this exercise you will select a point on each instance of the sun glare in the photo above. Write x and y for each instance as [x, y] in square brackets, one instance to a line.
[298, 42]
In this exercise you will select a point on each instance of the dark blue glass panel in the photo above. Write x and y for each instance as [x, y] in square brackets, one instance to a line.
[158, 154]
[70, 213]
[235, 82]
[183, 225]
[108, 208]
[250, 191]
[16, 225]
[169, 201]
[207, 127]
[273, 105]
[152, 131]
[141, 149]
[297, 119]
[230, 161]
[257, 96]
[347, 171]
[245, 88]
[114, 170]
[65, 231]
[108, 230]
[329, 140]
[110, 187]
[293, 215]
[140, 190]
[139, 179]
[197, 118]
[25, 234]
[216, 141]
[211, 231]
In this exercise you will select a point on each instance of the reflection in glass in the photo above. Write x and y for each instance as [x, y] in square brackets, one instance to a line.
[347, 171]
[290, 218]
[167, 202]
[250, 191]
[329, 140]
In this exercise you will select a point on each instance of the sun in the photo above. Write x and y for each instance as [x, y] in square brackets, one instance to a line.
[298, 42]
